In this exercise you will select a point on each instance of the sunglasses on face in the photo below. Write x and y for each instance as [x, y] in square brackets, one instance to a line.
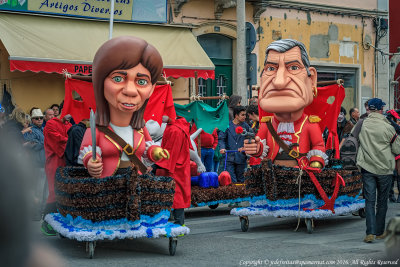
[37, 118]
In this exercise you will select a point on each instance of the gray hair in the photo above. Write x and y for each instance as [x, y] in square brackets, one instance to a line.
[284, 45]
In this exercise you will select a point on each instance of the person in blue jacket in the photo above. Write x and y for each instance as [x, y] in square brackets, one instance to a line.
[230, 140]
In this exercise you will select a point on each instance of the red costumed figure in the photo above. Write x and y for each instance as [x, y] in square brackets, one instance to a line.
[176, 140]
[125, 72]
[288, 85]
[55, 140]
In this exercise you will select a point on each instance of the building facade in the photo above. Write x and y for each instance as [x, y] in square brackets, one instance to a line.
[342, 38]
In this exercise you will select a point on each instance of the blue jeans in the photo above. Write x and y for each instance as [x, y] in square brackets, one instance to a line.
[215, 166]
[236, 171]
[207, 155]
[373, 183]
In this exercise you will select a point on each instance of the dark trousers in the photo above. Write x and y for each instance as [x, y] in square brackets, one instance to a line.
[236, 171]
[376, 193]
[179, 216]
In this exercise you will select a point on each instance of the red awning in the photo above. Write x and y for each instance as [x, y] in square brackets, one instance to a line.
[55, 45]
[86, 69]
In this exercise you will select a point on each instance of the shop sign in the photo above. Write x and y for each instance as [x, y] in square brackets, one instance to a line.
[152, 11]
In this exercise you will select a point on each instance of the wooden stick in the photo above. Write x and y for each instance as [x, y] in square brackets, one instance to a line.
[338, 81]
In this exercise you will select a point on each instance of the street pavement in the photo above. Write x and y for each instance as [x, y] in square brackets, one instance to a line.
[216, 239]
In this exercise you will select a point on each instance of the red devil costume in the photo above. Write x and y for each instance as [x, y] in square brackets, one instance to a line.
[176, 140]
[55, 140]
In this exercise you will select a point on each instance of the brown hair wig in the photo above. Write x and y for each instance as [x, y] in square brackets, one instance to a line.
[122, 52]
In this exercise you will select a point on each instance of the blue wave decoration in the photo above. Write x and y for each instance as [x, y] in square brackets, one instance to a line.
[290, 207]
[84, 230]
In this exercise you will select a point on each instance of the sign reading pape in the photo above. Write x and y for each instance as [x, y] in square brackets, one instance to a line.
[127, 10]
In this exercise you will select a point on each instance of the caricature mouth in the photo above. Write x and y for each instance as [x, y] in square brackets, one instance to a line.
[281, 92]
[128, 105]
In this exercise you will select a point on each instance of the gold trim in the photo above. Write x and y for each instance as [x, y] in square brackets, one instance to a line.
[116, 169]
[266, 118]
[125, 149]
[273, 142]
[140, 140]
[115, 143]
[297, 133]
[119, 150]
[318, 157]
[314, 118]
[86, 154]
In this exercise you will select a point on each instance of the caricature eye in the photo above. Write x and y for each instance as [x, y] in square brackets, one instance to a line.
[117, 79]
[270, 69]
[294, 68]
[142, 82]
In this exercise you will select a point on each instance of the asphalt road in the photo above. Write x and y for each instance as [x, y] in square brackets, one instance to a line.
[217, 240]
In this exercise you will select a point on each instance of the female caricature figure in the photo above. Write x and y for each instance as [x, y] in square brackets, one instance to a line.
[125, 72]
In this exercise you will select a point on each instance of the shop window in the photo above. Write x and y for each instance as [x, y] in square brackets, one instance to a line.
[202, 87]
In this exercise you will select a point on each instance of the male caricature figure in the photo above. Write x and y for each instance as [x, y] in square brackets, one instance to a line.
[288, 85]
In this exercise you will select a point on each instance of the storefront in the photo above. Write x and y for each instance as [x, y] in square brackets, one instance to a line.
[37, 50]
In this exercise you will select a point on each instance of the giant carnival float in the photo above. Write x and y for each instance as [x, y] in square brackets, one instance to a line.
[114, 196]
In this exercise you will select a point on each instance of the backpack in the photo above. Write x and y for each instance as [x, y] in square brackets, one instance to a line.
[349, 149]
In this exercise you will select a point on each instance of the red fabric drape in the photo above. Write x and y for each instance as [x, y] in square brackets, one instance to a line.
[79, 110]
[160, 103]
[327, 112]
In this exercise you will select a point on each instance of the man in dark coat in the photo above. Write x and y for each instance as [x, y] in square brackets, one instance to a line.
[230, 140]
[75, 136]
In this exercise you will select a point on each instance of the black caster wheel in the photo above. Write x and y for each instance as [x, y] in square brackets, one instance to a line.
[173, 242]
[361, 213]
[90, 246]
[309, 224]
[244, 223]
[213, 207]
[61, 236]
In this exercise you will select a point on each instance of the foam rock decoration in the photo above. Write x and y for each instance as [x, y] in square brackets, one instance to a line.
[204, 180]
[194, 180]
[224, 178]
[213, 179]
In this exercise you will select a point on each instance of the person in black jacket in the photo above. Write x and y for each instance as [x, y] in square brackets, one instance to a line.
[75, 136]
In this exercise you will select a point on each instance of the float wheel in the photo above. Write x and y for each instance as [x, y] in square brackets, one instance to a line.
[309, 224]
[213, 207]
[244, 223]
[173, 242]
[361, 213]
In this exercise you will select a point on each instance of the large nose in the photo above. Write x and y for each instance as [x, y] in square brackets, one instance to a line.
[130, 89]
[281, 79]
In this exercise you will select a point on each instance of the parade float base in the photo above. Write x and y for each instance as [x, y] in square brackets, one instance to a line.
[85, 230]
[290, 208]
[227, 194]
[125, 205]
[284, 192]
